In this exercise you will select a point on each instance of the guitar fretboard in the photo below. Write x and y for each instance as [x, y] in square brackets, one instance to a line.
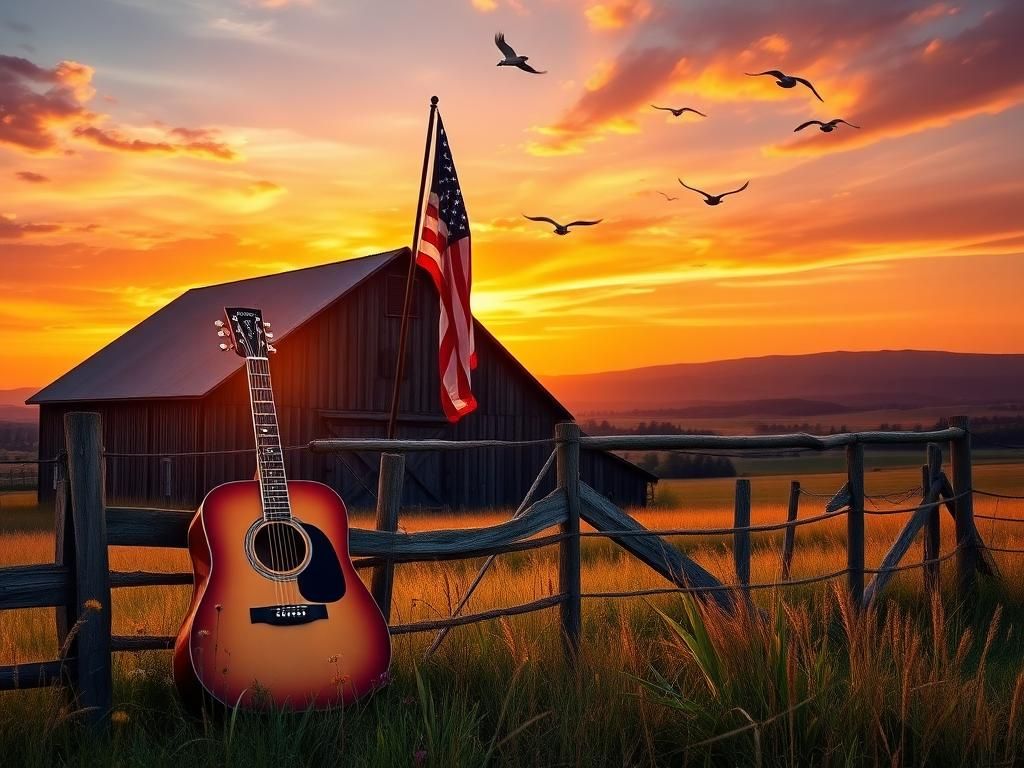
[269, 456]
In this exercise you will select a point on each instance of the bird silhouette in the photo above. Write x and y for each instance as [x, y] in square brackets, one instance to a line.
[670, 199]
[828, 127]
[712, 199]
[513, 59]
[563, 229]
[785, 81]
[678, 112]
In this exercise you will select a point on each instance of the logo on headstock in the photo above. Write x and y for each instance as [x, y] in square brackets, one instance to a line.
[245, 332]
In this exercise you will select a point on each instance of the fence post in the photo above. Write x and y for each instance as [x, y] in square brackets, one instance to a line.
[932, 533]
[960, 459]
[789, 540]
[855, 522]
[84, 437]
[64, 547]
[567, 465]
[741, 538]
[389, 501]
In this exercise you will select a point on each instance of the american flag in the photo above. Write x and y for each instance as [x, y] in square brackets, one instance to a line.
[444, 252]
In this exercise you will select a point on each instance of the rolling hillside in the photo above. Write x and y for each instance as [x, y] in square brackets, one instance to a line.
[852, 380]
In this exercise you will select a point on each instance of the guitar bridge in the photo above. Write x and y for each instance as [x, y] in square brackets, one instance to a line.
[287, 615]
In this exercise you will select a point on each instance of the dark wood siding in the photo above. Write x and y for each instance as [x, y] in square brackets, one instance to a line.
[333, 378]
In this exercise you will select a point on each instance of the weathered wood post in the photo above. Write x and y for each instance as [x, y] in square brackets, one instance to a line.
[930, 473]
[855, 522]
[741, 536]
[64, 547]
[83, 434]
[389, 502]
[967, 553]
[567, 466]
[789, 540]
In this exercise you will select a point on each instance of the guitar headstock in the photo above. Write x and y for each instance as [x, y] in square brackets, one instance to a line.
[244, 331]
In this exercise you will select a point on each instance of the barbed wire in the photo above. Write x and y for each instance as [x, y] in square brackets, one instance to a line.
[720, 587]
[895, 497]
[713, 531]
[54, 460]
[998, 518]
[995, 495]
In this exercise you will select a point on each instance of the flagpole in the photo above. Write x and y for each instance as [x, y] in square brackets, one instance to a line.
[410, 278]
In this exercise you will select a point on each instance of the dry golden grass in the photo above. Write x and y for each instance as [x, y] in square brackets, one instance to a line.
[889, 687]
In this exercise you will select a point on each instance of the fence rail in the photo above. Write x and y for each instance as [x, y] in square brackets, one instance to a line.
[78, 583]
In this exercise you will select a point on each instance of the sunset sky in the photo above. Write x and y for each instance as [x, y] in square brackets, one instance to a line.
[148, 146]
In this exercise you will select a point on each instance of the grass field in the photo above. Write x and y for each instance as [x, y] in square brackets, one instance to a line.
[909, 684]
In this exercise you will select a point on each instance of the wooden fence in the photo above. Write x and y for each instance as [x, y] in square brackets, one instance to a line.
[79, 581]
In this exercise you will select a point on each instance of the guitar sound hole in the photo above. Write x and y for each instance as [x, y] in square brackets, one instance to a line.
[279, 547]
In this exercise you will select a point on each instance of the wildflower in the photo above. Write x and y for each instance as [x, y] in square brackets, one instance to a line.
[119, 717]
[341, 679]
[332, 659]
[419, 757]
[92, 605]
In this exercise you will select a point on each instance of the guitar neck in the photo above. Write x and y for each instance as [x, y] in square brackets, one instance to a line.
[269, 456]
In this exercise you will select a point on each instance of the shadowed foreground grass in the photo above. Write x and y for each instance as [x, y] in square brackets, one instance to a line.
[812, 683]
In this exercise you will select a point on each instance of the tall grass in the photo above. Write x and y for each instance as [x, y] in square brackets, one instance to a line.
[803, 681]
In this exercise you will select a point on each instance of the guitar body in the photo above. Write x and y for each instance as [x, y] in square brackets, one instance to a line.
[279, 617]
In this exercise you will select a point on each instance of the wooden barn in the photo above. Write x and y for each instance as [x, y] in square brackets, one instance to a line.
[165, 390]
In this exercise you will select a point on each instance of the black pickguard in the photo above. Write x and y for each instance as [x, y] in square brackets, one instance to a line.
[322, 581]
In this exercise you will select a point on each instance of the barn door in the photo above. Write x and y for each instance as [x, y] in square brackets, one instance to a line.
[355, 473]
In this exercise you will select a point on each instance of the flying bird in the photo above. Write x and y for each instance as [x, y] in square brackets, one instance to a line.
[712, 199]
[563, 229]
[670, 199]
[513, 59]
[678, 112]
[828, 127]
[785, 81]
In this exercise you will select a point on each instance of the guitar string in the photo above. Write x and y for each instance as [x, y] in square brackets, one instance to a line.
[291, 549]
[274, 550]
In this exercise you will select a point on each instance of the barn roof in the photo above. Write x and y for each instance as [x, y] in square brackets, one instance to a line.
[172, 352]
[165, 356]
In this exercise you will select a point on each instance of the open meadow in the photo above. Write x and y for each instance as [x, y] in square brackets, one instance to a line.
[910, 683]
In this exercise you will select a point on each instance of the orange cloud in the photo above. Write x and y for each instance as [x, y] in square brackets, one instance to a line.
[616, 14]
[977, 71]
[195, 142]
[32, 177]
[12, 230]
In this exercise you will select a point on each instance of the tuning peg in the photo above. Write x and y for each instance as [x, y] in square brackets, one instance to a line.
[222, 332]
[224, 347]
[271, 348]
[269, 335]
[266, 324]
[219, 323]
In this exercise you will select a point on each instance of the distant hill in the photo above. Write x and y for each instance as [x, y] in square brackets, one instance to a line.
[13, 408]
[800, 384]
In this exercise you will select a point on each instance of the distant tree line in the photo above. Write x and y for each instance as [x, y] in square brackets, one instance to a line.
[594, 427]
[18, 437]
[686, 465]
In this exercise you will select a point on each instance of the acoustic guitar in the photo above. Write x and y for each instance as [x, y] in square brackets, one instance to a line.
[279, 617]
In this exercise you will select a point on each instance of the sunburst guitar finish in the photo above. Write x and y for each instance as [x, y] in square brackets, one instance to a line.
[317, 640]
[279, 617]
